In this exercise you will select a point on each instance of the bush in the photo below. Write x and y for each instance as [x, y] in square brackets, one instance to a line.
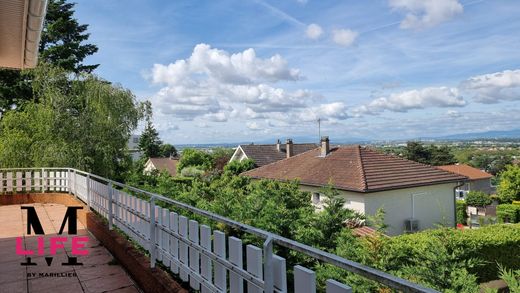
[192, 172]
[508, 213]
[478, 199]
[509, 187]
[462, 215]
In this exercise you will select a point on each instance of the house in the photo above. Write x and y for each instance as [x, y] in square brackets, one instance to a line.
[264, 154]
[413, 195]
[133, 147]
[162, 164]
[21, 23]
[478, 180]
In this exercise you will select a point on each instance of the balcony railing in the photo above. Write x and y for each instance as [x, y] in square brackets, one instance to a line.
[209, 261]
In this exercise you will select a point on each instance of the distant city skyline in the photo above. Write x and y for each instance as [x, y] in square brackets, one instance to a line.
[227, 71]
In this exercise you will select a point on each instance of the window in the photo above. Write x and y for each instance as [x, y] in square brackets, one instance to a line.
[316, 198]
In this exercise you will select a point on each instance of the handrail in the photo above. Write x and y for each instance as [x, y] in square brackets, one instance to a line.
[354, 267]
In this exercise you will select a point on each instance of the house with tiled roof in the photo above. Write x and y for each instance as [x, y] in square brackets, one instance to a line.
[414, 196]
[264, 154]
[478, 180]
[161, 164]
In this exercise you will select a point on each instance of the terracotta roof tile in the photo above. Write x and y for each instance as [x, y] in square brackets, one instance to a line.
[165, 164]
[264, 154]
[465, 170]
[354, 168]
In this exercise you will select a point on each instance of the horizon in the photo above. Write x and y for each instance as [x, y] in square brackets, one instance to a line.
[406, 71]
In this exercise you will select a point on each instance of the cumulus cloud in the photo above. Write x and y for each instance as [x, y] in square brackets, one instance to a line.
[414, 99]
[216, 86]
[314, 31]
[344, 37]
[422, 14]
[330, 111]
[253, 126]
[494, 87]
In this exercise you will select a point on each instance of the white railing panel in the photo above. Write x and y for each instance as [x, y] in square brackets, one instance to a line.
[193, 236]
[304, 280]
[254, 266]
[205, 262]
[19, 181]
[183, 248]
[174, 242]
[219, 248]
[279, 274]
[165, 239]
[333, 286]
[9, 181]
[28, 182]
[236, 283]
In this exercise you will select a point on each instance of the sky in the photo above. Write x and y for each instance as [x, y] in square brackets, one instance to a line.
[253, 70]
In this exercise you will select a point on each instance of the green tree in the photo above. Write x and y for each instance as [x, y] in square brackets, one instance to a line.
[237, 167]
[149, 142]
[62, 42]
[167, 150]
[195, 158]
[415, 151]
[509, 186]
[478, 199]
[441, 155]
[79, 122]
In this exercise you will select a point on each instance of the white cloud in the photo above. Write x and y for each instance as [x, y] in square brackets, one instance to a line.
[494, 87]
[414, 99]
[314, 31]
[216, 117]
[422, 14]
[253, 126]
[331, 111]
[344, 37]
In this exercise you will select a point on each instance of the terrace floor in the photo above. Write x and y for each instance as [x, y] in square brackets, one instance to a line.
[99, 272]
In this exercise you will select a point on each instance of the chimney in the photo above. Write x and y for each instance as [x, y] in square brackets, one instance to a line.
[289, 148]
[325, 147]
[278, 145]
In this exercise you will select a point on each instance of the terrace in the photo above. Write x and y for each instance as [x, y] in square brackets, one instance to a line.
[209, 261]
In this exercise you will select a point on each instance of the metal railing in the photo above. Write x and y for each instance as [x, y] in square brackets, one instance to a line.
[190, 250]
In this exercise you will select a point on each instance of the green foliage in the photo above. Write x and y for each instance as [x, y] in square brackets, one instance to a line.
[509, 187]
[62, 41]
[237, 167]
[432, 155]
[149, 142]
[192, 171]
[167, 150]
[478, 199]
[512, 279]
[82, 122]
[195, 158]
[462, 215]
[508, 213]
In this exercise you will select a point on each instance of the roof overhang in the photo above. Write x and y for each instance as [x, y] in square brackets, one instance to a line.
[21, 23]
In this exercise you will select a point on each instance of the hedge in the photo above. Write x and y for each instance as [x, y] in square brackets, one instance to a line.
[490, 245]
[462, 215]
[508, 213]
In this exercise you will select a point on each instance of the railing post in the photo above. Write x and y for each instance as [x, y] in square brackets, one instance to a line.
[69, 185]
[43, 180]
[268, 265]
[88, 191]
[75, 184]
[152, 248]
[110, 213]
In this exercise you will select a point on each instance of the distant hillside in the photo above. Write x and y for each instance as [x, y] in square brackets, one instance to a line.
[488, 135]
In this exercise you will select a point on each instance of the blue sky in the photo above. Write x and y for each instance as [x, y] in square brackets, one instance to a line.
[249, 70]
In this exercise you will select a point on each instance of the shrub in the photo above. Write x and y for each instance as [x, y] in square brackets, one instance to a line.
[191, 172]
[508, 213]
[462, 215]
[478, 199]
[509, 187]
[516, 202]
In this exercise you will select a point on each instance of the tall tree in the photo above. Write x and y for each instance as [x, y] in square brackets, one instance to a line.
[149, 142]
[415, 151]
[62, 44]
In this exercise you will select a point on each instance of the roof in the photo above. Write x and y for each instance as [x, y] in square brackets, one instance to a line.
[264, 154]
[366, 231]
[165, 164]
[21, 24]
[354, 168]
[465, 170]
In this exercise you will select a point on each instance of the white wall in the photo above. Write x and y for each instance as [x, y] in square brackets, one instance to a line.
[433, 205]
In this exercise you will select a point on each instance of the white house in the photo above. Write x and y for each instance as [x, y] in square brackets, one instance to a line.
[162, 164]
[414, 196]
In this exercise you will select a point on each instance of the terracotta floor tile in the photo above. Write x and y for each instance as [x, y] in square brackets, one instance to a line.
[14, 287]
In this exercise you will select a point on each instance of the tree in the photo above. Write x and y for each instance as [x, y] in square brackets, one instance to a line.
[62, 42]
[195, 158]
[415, 151]
[509, 186]
[149, 142]
[478, 199]
[167, 150]
[82, 123]
[441, 155]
